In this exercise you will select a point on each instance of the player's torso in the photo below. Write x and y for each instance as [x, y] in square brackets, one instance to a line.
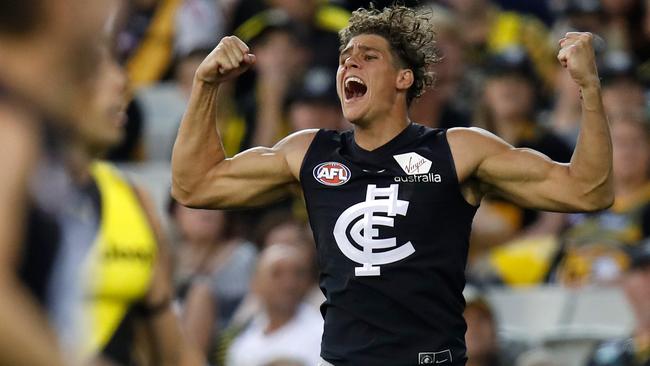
[391, 228]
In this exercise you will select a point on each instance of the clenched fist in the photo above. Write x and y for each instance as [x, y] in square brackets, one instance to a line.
[228, 60]
[578, 57]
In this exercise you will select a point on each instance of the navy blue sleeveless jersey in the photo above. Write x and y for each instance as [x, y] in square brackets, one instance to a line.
[392, 231]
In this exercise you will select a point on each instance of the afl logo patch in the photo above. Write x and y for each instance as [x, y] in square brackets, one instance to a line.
[332, 173]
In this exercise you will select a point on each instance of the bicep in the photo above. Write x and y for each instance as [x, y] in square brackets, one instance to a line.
[257, 176]
[529, 179]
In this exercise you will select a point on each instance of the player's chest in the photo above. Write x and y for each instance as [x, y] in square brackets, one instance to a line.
[339, 181]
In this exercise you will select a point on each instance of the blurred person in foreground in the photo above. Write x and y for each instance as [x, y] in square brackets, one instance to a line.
[123, 314]
[46, 56]
[284, 327]
[389, 184]
[214, 266]
[633, 350]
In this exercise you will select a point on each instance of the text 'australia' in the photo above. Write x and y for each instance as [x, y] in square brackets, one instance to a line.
[420, 178]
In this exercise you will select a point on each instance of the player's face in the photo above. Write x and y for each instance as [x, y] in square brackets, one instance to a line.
[366, 80]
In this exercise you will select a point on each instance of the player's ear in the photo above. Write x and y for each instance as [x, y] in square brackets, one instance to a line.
[404, 79]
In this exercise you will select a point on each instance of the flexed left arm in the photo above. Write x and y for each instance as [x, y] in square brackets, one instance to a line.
[532, 179]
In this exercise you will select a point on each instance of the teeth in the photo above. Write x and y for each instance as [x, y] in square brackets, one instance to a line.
[355, 79]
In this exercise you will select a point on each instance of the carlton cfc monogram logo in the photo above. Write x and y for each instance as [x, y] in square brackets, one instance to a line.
[331, 173]
[365, 234]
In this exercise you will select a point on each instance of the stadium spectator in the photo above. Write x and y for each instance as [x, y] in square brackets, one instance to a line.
[508, 110]
[281, 60]
[447, 103]
[483, 345]
[281, 226]
[313, 102]
[316, 22]
[593, 241]
[285, 327]
[146, 44]
[621, 20]
[214, 267]
[635, 349]
[162, 106]
[198, 24]
[623, 92]
[280, 32]
[574, 15]
[488, 30]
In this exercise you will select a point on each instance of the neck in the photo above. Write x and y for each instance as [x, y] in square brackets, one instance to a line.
[378, 132]
[78, 159]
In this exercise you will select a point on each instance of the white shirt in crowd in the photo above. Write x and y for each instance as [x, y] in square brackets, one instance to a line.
[299, 340]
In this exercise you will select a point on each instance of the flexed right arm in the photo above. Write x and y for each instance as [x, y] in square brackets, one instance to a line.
[202, 176]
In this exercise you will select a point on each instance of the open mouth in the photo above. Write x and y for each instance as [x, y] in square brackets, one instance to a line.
[354, 88]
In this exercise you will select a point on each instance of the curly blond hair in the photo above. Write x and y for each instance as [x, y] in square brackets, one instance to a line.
[410, 35]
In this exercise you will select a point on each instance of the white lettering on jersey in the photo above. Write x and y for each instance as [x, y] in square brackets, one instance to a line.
[364, 233]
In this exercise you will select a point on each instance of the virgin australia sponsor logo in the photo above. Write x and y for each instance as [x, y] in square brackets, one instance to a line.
[413, 163]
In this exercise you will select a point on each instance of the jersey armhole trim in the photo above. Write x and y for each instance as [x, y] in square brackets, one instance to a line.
[307, 153]
[452, 163]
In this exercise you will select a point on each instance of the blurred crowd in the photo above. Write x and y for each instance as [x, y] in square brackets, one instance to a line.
[244, 284]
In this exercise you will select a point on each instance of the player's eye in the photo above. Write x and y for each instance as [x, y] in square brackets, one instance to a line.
[369, 57]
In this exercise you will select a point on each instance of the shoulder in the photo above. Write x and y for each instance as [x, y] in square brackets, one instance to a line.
[297, 141]
[473, 135]
[470, 146]
[294, 148]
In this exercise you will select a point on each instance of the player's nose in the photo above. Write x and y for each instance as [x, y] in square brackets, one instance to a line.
[351, 62]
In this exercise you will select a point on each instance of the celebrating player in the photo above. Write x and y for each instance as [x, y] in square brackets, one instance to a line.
[390, 202]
